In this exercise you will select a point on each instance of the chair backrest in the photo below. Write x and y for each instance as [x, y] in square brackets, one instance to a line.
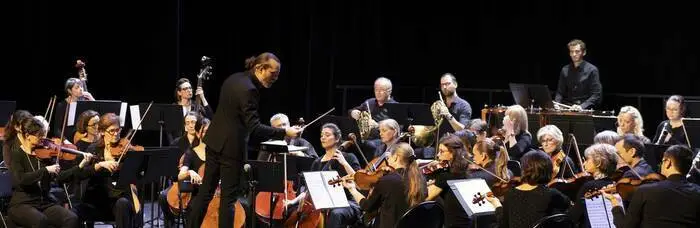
[514, 166]
[427, 214]
[556, 220]
[5, 183]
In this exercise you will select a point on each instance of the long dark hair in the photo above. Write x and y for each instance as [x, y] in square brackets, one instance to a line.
[11, 133]
[458, 165]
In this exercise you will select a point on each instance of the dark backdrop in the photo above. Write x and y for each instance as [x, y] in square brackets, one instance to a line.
[135, 50]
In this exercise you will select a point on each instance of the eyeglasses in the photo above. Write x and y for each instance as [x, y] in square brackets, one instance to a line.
[548, 140]
[113, 131]
[186, 88]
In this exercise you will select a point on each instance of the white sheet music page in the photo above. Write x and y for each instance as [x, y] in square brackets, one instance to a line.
[122, 114]
[71, 114]
[599, 211]
[135, 116]
[337, 192]
[468, 191]
[322, 194]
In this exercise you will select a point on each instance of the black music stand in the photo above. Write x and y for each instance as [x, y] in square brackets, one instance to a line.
[692, 131]
[532, 96]
[7, 108]
[162, 117]
[653, 154]
[266, 177]
[99, 106]
[411, 113]
[158, 159]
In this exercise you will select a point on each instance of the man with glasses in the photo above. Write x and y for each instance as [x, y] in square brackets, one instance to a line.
[456, 110]
[375, 106]
[183, 95]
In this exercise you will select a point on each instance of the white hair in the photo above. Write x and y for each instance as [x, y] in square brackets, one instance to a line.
[279, 116]
[553, 131]
[384, 81]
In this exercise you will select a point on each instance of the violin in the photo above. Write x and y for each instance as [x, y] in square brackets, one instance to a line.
[47, 149]
[428, 169]
[627, 186]
[124, 145]
[556, 161]
[500, 188]
[570, 186]
[363, 180]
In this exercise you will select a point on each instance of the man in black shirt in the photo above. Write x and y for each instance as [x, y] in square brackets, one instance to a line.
[673, 202]
[458, 111]
[631, 149]
[579, 82]
[375, 105]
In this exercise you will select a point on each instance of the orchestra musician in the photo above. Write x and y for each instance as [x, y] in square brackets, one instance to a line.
[607, 137]
[551, 139]
[629, 121]
[185, 141]
[601, 163]
[31, 204]
[457, 110]
[478, 127]
[375, 107]
[451, 150]
[74, 91]
[102, 198]
[389, 131]
[280, 120]
[525, 204]
[183, 95]
[192, 159]
[395, 192]
[670, 131]
[579, 81]
[631, 151]
[517, 138]
[12, 133]
[236, 119]
[492, 157]
[673, 202]
[86, 130]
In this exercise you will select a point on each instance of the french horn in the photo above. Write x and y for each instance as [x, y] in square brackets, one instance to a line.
[424, 136]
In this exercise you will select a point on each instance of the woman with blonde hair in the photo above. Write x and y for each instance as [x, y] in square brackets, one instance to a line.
[517, 138]
[629, 121]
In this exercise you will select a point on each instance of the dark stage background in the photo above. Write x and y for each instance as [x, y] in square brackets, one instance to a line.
[135, 50]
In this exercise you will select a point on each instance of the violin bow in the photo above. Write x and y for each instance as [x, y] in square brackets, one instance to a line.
[485, 170]
[63, 130]
[49, 109]
[353, 137]
[578, 153]
[128, 141]
[317, 118]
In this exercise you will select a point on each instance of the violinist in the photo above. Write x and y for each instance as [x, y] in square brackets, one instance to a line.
[601, 162]
[281, 120]
[31, 204]
[74, 91]
[551, 139]
[517, 138]
[456, 110]
[631, 151]
[670, 131]
[12, 133]
[86, 130]
[673, 202]
[492, 157]
[396, 191]
[193, 158]
[478, 127]
[452, 151]
[629, 121]
[608, 137]
[102, 198]
[346, 164]
[525, 204]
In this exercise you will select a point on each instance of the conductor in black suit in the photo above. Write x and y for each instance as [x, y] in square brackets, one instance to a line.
[236, 119]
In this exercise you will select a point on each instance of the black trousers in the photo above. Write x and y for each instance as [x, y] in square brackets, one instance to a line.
[217, 164]
[344, 216]
[121, 210]
[40, 217]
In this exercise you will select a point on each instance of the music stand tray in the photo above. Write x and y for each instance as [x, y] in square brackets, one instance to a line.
[161, 117]
[692, 131]
[7, 108]
[100, 106]
[411, 113]
[525, 94]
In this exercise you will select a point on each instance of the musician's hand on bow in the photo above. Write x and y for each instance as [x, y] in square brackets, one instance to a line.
[87, 157]
[54, 169]
[612, 198]
[195, 178]
[576, 107]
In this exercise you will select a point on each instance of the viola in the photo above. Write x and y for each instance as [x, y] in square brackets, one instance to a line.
[500, 188]
[47, 149]
[363, 180]
[443, 166]
[124, 145]
[570, 186]
[627, 186]
[556, 161]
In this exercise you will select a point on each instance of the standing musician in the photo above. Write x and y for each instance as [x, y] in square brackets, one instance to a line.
[12, 133]
[670, 131]
[236, 119]
[192, 159]
[601, 162]
[457, 110]
[183, 95]
[673, 202]
[75, 92]
[280, 120]
[451, 151]
[31, 204]
[86, 130]
[525, 204]
[395, 192]
[492, 157]
[517, 138]
[102, 198]
[551, 139]
[631, 151]
[579, 81]
[629, 121]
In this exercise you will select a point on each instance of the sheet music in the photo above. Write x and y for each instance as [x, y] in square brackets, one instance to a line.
[466, 189]
[135, 116]
[290, 148]
[322, 194]
[600, 211]
[71, 114]
[122, 114]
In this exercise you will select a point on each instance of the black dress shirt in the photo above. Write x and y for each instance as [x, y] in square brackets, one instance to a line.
[379, 113]
[677, 134]
[389, 197]
[523, 145]
[525, 208]
[461, 110]
[673, 202]
[580, 85]
[642, 167]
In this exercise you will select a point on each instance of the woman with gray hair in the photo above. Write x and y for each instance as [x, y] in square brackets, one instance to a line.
[601, 162]
[389, 131]
[551, 139]
[608, 137]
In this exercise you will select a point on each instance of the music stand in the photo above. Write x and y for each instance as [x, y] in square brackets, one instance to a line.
[161, 117]
[411, 113]
[295, 165]
[266, 177]
[531, 96]
[162, 164]
[692, 131]
[101, 107]
[653, 154]
[348, 124]
[7, 108]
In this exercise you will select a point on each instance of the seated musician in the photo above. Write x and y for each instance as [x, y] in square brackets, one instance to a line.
[75, 92]
[518, 139]
[12, 133]
[532, 200]
[395, 192]
[630, 121]
[670, 132]
[183, 94]
[601, 162]
[551, 139]
[631, 151]
[280, 120]
[346, 164]
[492, 157]
[86, 129]
[579, 81]
[457, 110]
[479, 127]
[375, 107]
[192, 159]
[451, 151]
[185, 141]
[31, 204]
[389, 131]
[673, 202]
[608, 137]
[102, 199]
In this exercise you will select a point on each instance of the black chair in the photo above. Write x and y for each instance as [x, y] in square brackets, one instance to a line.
[556, 220]
[427, 214]
[514, 166]
[5, 193]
